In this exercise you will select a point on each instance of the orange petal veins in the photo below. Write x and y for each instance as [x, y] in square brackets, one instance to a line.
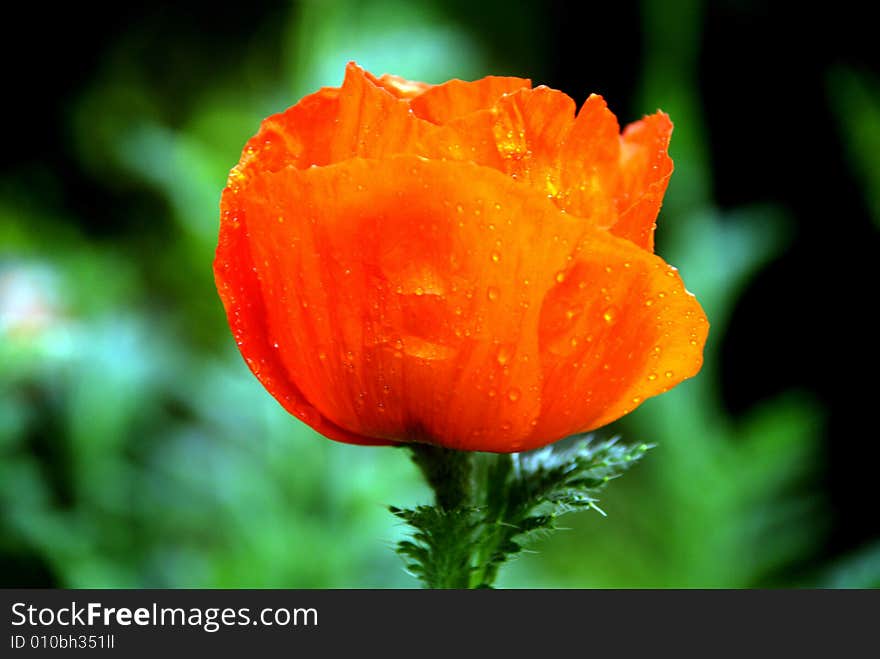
[367, 117]
[294, 137]
[372, 122]
[402, 289]
[456, 98]
[240, 291]
[618, 328]
[589, 164]
[645, 168]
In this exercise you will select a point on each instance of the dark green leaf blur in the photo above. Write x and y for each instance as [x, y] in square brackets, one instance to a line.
[137, 450]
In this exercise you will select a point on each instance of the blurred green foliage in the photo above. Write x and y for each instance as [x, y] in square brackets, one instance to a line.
[136, 450]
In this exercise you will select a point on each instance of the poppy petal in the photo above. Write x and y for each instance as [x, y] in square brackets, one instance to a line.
[240, 291]
[294, 137]
[400, 87]
[456, 98]
[589, 163]
[645, 168]
[402, 289]
[533, 136]
[618, 328]
[362, 118]
[372, 122]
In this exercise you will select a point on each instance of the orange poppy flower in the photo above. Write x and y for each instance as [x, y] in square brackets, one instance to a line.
[468, 264]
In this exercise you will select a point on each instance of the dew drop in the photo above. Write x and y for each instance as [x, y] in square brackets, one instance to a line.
[668, 374]
[503, 355]
[492, 293]
[609, 315]
[496, 257]
[560, 277]
[652, 376]
[459, 208]
[513, 395]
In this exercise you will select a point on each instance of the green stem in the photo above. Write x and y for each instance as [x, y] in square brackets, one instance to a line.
[463, 481]
[488, 505]
[450, 474]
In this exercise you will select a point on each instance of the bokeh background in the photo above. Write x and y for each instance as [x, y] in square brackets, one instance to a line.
[136, 450]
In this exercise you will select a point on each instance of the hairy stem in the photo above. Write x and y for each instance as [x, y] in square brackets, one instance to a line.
[450, 474]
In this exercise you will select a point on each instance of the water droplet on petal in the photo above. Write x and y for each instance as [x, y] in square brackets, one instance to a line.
[513, 395]
[496, 257]
[560, 277]
[492, 293]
